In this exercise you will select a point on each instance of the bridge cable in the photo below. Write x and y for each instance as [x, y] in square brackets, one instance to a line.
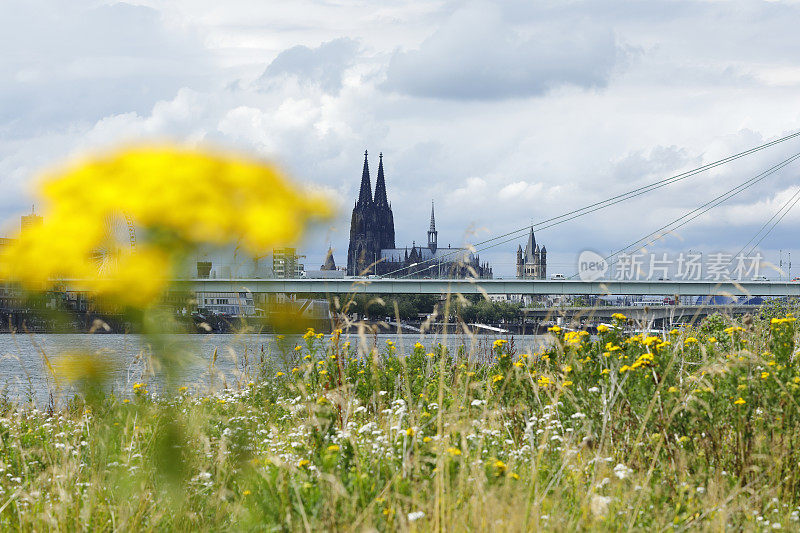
[614, 199]
[701, 210]
[730, 193]
[796, 198]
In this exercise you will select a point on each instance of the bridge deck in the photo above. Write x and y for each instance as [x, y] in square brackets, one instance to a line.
[494, 286]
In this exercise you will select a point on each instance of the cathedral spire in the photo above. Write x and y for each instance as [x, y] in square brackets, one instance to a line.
[365, 196]
[380, 185]
[432, 233]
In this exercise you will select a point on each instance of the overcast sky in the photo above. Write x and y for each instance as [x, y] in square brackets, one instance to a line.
[503, 113]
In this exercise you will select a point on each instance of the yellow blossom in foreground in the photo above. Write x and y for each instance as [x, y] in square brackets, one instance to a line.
[554, 329]
[690, 340]
[453, 451]
[739, 401]
[496, 378]
[672, 389]
[602, 328]
[764, 375]
[333, 448]
[619, 316]
[186, 197]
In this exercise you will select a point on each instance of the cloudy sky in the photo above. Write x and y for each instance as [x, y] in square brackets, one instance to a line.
[503, 113]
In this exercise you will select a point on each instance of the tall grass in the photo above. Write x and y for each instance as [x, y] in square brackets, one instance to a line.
[698, 429]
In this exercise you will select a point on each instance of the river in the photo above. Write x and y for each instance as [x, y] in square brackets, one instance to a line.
[25, 360]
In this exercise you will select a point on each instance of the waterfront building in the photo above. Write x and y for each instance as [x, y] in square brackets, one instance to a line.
[30, 221]
[372, 247]
[286, 263]
[532, 262]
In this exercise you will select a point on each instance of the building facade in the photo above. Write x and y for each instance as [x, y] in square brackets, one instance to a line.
[532, 262]
[372, 249]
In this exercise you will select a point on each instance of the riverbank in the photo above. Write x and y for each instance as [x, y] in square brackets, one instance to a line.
[692, 429]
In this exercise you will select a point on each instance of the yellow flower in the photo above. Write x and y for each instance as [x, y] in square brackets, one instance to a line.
[764, 375]
[430, 354]
[303, 462]
[566, 383]
[183, 389]
[298, 348]
[604, 371]
[619, 316]
[419, 346]
[554, 329]
[672, 389]
[426, 439]
[453, 451]
[279, 374]
[496, 378]
[499, 343]
[309, 334]
[188, 196]
[602, 328]
[739, 401]
[323, 372]
[500, 465]
[544, 381]
[333, 448]
[410, 432]
[246, 493]
[470, 374]
[712, 340]
[567, 369]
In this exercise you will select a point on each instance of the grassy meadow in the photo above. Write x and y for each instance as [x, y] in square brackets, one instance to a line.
[693, 429]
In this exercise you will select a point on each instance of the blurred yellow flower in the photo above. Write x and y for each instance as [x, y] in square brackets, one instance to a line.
[179, 197]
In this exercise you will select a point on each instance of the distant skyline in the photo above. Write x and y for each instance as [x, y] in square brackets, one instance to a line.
[500, 112]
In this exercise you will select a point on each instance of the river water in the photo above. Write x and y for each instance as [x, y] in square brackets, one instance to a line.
[205, 363]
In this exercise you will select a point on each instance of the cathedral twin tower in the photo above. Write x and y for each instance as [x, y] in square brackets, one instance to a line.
[371, 225]
[372, 245]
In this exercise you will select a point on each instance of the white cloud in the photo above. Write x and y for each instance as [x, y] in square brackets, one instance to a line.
[477, 53]
[500, 113]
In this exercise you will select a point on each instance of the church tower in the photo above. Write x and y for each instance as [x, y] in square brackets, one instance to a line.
[532, 263]
[383, 210]
[363, 250]
[432, 233]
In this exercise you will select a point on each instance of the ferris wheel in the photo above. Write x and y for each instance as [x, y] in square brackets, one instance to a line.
[119, 239]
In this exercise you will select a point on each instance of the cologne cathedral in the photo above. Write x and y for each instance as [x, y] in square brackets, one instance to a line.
[372, 245]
